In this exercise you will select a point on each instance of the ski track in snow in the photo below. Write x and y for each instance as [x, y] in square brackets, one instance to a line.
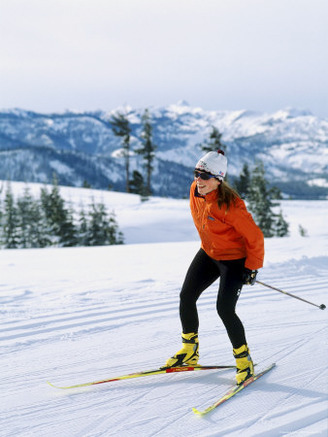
[76, 315]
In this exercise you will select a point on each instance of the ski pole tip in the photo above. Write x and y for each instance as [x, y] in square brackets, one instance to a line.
[322, 306]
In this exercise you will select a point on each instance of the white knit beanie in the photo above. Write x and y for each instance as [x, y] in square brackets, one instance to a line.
[214, 163]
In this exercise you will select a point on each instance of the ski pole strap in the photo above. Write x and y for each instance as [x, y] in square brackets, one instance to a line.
[322, 306]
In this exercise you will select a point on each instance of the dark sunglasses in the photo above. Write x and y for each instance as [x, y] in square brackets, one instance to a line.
[204, 176]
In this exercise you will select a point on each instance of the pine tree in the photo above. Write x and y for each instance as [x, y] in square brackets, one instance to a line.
[23, 210]
[46, 208]
[259, 200]
[38, 225]
[59, 219]
[137, 185]
[242, 183]
[1, 219]
[32, 227]
[115, 235]
[148, 149]
[281, 227]
[83, 229]
[102, 229]
[121, 128]
[10, 221]
[214, 143]
[98, 224]
[276, 193]
[68, 231]
[302, 231]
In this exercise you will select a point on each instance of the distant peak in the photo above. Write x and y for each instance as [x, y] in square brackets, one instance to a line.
[182, 103]
[294, 112]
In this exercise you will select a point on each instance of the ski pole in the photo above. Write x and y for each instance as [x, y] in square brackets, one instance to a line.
[322, 306]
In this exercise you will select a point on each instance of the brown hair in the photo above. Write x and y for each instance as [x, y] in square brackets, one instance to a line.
[227, 195]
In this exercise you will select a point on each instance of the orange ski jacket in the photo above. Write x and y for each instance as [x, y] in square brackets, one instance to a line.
[226, 234]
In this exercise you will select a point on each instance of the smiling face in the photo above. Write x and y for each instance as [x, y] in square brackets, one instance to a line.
[206, 186]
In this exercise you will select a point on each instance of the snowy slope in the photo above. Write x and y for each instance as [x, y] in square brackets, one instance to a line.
[77, 314]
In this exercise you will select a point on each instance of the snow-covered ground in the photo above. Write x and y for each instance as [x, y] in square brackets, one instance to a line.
[79, 314]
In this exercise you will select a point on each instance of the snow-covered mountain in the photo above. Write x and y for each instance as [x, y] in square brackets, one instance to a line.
[81, 146]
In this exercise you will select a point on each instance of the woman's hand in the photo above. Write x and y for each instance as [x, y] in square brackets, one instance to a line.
[249, 276]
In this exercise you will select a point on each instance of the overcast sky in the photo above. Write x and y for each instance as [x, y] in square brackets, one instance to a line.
[262, 55]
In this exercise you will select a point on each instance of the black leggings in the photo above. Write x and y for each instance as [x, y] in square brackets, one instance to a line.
[203, 271]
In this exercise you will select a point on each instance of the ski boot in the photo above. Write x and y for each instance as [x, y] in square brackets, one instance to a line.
[188, 355]
[244, 364]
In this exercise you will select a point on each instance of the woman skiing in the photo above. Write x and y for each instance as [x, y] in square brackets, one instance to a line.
[232, 249]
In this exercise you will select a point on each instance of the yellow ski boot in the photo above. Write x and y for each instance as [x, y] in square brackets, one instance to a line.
[244, 364]
[188, 355]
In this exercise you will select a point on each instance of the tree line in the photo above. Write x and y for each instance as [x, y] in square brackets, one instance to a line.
[28, 222]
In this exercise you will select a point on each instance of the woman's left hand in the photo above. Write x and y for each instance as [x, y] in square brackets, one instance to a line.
[249, 276]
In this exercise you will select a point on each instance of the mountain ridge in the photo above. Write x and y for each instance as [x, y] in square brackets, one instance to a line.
[81, 146]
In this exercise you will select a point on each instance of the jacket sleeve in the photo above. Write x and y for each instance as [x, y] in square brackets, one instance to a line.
[244, 224]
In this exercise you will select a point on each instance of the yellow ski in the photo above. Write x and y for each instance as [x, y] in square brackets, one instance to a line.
[233, 391]
[144, 373]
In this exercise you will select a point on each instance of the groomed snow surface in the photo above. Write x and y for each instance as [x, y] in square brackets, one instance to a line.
[75, 315]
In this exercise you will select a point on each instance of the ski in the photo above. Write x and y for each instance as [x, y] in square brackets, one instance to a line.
[233, 391]
[164, 370]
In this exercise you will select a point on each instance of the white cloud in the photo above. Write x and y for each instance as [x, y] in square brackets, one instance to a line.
[224, 55]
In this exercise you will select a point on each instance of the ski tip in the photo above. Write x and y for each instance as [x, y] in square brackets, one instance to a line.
[197, 412]
[56, 386]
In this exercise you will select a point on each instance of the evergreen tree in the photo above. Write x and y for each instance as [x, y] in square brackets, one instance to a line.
[102, 229]
[1, 219]
[260, 200]
[59, 219]
[281, 227]
[302, 231]
[46, 208]
[32, 230]
[46, 221]
[68, 231]
[38, 226]
[115, 235]
[242, 183]
[137, 185]
[86, 184]
[276, 193]
[121, 128]
[148, 149]
[23, 210]
[10, 221]
[98, 226]
[214, 143]
[260, 203]
[83, 229]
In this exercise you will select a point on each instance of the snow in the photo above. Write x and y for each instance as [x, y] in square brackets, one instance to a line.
[320, 182]
[72, 315]
[60, 167]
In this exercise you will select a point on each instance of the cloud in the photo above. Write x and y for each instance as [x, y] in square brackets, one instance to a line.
[239, 53]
